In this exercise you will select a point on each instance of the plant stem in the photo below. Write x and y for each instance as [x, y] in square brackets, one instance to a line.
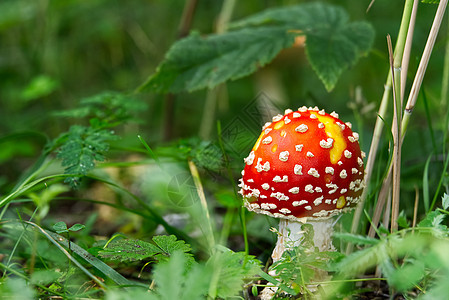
[414, 92]
[399, 49]
[445, 79]
[199, 189]
[407, 48]
[396, 128]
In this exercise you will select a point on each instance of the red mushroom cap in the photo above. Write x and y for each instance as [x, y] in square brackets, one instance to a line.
[305, 164]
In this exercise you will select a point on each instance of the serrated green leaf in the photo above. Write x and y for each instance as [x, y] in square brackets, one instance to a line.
[108, 109]
[407, 276]
[356, 239]
[359, 261]
[81, 148]
[165, 274]
[333, 45]
[169, 244]
[198, 62]
[207, 155]
[133, 249]
[230, 269]
[433, 219]
[402, 220]
[445, 201]
[129, 250]
[174, 282]
[331, 50]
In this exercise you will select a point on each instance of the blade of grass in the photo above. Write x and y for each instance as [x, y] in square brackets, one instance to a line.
[425, 183]
[440, 183]
[277, 283]
[199, 189]
[57, 240]
[429, 120]
[24, 186]
[150, 152]
[154, 215]
[415, 207]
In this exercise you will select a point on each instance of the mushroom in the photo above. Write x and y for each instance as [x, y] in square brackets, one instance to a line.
[306, 167]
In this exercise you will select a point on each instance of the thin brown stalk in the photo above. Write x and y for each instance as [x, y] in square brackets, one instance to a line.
[408, 47]
[386, 219]
[414, 92]
[399, 49]
[380, 204]
[434, 30]
[396, 129]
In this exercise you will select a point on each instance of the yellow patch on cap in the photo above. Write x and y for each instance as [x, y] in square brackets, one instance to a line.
[256, 146]
[341, 202]
[333, 131]
[278, 125]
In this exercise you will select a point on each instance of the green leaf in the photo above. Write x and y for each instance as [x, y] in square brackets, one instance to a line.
[174, 282]
[77, 227]
[430, 1]
[60, 227]
[45, 277]
[133, 249]
[407, 276]
[130, 293]
[445, 201]
[402, 220]
[331, 50]
[107, 108]
[169, 244]
[16, 288]
[230, 269]
[39, 87]
[129, 250]
[433, 219]
[359, 261]
[333, 45]
[198, 62]
[81, 148]
[356, 239]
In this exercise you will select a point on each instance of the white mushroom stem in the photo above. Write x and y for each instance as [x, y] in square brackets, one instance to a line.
[290, 234]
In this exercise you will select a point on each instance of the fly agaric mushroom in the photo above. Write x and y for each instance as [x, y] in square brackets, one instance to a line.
[305, 167]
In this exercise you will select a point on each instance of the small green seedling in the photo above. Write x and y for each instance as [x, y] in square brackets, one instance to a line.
[61, 227]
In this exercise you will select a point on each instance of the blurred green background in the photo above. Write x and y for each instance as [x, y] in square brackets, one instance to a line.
[55, 52]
